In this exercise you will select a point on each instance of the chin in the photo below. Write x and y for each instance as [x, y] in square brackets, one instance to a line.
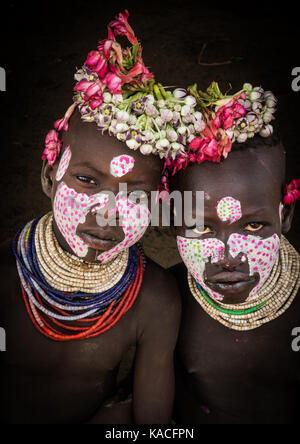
[234, 292]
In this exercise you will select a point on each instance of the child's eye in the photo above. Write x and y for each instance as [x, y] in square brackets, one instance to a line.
[200, 231]
[254, 226]
[87, 180]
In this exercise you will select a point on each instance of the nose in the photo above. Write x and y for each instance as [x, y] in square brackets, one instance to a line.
[228, 261]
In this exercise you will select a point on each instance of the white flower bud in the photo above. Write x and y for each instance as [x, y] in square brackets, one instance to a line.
[190, 101]
[176, 146]
[177, 108]
[150, 99]
[242, 138]
[132, 120]
[248, 87]
[255, 95]
[266, 131]
[198, 116]
[122, 127]
[121, 137]
[148, 136]
[172, 135]
[146, 149]
[107, 97]
[271, 102]
[166, 114]
[160, 103]
[117, 99]
[164, 143]
[132, 144]
[122, 116]
[250, 134]
[151, 110]
[182, 130]
[159, 122]
[176, 116]
[179, 93]
[268, 117]
[186, 110]
[199, 126]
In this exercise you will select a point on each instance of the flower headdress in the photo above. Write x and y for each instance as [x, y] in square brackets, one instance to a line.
[225, 119]
[117, 92]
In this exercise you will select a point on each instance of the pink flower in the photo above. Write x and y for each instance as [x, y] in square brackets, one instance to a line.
[92, 92]
[228, 113]
[52, 147]
[114, 83]
[63, 124]
[122, 27]
[292, 192]
[97, 63]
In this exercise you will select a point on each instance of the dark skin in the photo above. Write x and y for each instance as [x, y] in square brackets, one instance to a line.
[48, 382]
[224, 376]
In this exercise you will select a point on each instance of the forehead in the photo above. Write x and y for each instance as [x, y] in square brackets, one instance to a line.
[253, 178]
[90, 146]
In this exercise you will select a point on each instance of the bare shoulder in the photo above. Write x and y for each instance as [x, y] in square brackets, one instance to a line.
[159, 298]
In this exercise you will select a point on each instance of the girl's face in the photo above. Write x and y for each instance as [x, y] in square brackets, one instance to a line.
[233, 255]
[95, 219]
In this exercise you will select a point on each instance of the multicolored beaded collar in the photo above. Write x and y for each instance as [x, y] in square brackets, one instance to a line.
[64, 316]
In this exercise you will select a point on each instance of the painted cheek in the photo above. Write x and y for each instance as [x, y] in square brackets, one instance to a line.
[121, 165]
[262, 255]
[196, 254]
[71, 209]
[229, 210]
[63, 164]
[135, 221]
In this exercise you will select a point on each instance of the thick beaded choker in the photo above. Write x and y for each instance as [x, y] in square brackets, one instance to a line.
[275, 297]
[53, 284]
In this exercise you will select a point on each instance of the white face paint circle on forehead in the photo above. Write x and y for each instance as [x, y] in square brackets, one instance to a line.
[196, 253]
[135, 221]
[262, 255]
[63, 164]
[71, 209]
[229, 210]
[122, 165]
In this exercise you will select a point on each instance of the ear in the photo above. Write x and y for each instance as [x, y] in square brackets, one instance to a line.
[47, 176]
[287, 217]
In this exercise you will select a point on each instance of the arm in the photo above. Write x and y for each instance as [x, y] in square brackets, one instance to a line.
[154, 385]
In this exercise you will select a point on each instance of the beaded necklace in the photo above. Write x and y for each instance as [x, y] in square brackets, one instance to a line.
[72, 313]
[275, 297]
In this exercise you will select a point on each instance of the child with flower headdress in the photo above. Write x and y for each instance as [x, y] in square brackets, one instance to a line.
[240, 276]
[83, 292]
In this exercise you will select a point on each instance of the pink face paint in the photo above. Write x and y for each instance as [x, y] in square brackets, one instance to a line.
[196, 253]
[70, 209]
[63, 164]
[262, 255]
[121, 165]
[229, 210]
[135, 221]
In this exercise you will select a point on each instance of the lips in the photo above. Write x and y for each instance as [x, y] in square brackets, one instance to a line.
[98, 241]
[231, 283]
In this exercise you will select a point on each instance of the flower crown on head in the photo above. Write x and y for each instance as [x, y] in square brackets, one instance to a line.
[117, 92]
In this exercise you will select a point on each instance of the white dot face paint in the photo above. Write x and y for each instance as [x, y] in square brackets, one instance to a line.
[135, 221]
[121, 165]
[71, 209]
[229, 210]
[262, 255]
[196, 253]
[63, 164]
